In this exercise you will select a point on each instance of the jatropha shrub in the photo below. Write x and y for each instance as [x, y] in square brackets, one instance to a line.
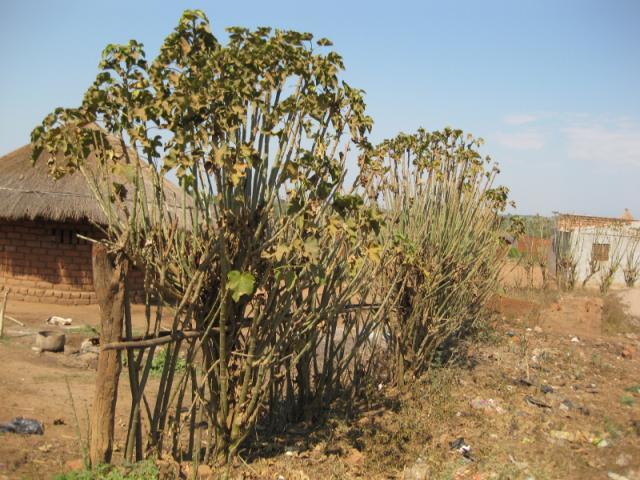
[270, 276]
[442, 216]
[259, 257]
[567, 250]
[631, 267]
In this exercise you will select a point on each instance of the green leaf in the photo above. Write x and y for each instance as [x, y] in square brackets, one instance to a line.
[240, 283]
[287, 276]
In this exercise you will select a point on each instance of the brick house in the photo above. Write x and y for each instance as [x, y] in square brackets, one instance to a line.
[42, 255]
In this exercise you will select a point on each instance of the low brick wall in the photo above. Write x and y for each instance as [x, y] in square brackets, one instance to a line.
[48, 262]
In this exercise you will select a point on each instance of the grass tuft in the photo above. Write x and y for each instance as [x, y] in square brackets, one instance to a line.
[138, 471]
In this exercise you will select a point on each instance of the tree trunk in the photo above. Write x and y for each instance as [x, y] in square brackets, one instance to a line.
[109, 281]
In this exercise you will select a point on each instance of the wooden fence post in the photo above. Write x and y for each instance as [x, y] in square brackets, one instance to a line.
[109, 280]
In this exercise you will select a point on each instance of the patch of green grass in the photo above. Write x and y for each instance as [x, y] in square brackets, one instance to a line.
[628, 401]
[138, 471]
[514, 253]
[157, 364]
[160, 358]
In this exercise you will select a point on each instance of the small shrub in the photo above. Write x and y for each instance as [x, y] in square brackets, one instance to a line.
[631, 267]
[595, 264]
[610, 269]
[568, 251]
[442, 227]
[614, 316]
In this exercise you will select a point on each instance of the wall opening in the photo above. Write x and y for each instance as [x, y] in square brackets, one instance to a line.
[600, 252]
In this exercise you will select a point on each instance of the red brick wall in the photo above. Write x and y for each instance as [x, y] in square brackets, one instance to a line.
[46, 262]
[534, 246]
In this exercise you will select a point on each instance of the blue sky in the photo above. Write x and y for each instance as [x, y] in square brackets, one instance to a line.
[552, 86]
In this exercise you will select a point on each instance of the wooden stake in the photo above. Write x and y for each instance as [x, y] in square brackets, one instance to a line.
[2, 309]
[109, 280]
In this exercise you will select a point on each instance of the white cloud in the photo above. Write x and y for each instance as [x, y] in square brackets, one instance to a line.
[520, 118]
[521, 141]
[618, 142]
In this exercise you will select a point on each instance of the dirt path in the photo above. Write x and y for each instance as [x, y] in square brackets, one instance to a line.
[34, 385]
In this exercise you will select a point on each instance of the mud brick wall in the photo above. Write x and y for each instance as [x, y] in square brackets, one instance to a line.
[49, 263]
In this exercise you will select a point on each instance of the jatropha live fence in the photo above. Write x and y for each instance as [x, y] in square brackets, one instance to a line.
[276, 281]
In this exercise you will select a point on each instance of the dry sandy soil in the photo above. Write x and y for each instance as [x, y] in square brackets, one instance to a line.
[44, 385]
[586, 425]
[514, 275]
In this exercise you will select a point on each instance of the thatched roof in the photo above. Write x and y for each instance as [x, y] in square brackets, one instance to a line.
[28, 192]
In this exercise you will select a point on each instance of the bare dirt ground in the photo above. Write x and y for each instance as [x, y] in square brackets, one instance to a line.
[42, 386]
[515, 275]
[631, 298]
[551, 390]
[546, 395]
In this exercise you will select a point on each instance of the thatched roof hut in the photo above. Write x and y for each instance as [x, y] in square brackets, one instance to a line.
[43, 256]
[29, 192]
